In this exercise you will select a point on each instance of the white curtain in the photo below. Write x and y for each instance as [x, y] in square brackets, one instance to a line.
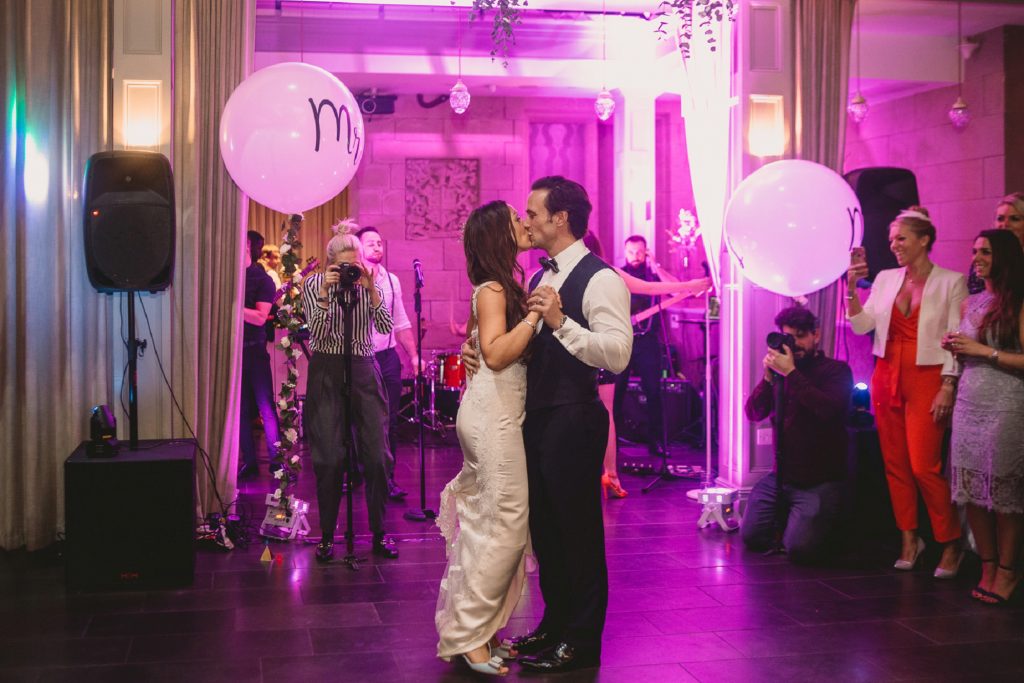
[55, 362]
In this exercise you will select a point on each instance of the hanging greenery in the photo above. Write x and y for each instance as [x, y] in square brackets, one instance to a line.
[507, 14]
[682, 13]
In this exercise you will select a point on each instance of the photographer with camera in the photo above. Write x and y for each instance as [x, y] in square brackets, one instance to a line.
[801, 510]
[346, 277]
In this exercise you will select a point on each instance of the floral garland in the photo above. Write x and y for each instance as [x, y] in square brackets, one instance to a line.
[684, 238]
[289, 316]
[682, 13]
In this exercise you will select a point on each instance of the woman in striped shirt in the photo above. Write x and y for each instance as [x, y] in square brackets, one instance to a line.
[324, 413]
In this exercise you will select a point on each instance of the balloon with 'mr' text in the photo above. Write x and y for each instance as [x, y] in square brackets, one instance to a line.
[790, 226]
[291, 136]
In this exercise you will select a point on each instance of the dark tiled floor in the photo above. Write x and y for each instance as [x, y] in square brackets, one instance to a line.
[685, 605]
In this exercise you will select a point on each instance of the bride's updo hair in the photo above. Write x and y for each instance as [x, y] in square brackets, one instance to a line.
[491, 253]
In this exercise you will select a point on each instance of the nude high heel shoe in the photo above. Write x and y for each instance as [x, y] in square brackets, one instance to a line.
[610, 486]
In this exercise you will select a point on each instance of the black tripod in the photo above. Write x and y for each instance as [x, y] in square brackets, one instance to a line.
[424, 513]
[346, 298]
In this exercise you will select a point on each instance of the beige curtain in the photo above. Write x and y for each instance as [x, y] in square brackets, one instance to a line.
[822, 39]
[316, 224]
[213, 47]
[55, 358]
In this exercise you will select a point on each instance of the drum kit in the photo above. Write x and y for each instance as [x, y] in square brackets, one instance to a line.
[444, 380]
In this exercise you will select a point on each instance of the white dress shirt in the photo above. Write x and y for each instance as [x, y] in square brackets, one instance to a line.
[944, 290]
[392, 298]
[609, 341]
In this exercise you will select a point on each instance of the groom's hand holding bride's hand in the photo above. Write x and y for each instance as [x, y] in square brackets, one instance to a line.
[546, 301]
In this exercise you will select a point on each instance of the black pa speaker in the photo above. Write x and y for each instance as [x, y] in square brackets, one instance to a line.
[129, 221]
[882, 192]
[129, 519]
[681, 407]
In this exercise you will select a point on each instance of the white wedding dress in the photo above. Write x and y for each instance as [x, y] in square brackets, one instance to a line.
[483, 514]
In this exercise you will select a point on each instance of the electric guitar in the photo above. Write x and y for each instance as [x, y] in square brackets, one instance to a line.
[311, 264]
[657, 308]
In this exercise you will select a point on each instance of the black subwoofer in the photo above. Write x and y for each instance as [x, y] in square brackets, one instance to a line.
[681, 407]
[129, 221]
[130, 519]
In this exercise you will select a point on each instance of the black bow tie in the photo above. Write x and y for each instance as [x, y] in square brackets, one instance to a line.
[549, 264]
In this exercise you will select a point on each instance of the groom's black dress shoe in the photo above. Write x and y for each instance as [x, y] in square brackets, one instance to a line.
[561, 657]
[532, 643]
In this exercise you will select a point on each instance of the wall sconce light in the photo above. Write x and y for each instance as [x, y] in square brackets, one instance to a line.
[143, 121]
[766, 131]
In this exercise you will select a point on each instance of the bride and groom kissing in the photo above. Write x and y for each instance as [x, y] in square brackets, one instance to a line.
[533, 433]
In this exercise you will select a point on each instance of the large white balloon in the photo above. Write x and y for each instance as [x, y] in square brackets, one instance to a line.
[790, 226]
[291, 136]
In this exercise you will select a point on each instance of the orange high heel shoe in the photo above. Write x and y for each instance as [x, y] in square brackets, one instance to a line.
[611, 483]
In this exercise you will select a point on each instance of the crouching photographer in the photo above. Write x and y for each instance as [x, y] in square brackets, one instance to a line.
[795, 507]
[346, 290]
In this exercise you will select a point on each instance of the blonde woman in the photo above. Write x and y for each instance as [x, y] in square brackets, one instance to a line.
[324, 413]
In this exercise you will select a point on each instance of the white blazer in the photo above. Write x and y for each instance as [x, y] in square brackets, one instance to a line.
[944, 291]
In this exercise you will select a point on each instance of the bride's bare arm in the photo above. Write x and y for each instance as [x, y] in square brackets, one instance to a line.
[500, 346]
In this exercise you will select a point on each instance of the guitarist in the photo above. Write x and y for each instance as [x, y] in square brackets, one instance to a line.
[646, 358]
[257, 381]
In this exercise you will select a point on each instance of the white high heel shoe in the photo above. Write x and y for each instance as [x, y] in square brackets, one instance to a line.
[907, 565]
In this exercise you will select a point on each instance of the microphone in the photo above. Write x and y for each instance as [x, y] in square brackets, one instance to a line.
[417, 268]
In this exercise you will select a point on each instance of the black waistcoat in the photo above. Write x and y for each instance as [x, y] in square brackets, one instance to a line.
[554, 377]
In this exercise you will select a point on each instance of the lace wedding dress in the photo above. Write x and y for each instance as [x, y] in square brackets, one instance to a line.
[483, 514]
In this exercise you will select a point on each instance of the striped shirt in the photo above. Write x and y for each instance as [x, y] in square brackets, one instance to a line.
[325, 324]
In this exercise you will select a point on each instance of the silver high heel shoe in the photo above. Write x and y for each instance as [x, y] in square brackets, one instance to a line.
[907, 565]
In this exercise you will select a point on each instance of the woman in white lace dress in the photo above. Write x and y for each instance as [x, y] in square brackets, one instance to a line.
[987, 452]
[484, 509]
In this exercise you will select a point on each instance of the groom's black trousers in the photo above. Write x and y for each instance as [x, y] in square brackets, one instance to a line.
[564, 452]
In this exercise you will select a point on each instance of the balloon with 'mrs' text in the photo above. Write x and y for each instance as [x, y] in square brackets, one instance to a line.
[790, 226]
[291, 136]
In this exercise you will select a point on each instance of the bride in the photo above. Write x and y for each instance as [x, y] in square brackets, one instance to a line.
[484, 513]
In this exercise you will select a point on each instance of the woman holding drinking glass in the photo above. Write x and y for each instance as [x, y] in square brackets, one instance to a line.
[987, 453]
[913, 385]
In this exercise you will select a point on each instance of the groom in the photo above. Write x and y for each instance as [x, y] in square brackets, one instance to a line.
[586, 327]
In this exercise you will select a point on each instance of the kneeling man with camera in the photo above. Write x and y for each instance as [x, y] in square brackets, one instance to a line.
[795, 507]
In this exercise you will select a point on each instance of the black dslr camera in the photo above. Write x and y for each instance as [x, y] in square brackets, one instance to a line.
[776, 340]
[349, 273]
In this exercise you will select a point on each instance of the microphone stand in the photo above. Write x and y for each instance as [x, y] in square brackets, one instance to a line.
[424, 513]
[347, 300]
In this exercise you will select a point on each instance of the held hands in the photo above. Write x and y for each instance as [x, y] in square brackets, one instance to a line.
[546, 301]
[782, 363]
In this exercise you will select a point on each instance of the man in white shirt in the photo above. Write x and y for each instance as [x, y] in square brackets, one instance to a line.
[385, 345]
[586, 327]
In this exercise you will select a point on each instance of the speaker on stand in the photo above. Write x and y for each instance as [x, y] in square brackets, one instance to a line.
[128, 219]
[882, 192]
